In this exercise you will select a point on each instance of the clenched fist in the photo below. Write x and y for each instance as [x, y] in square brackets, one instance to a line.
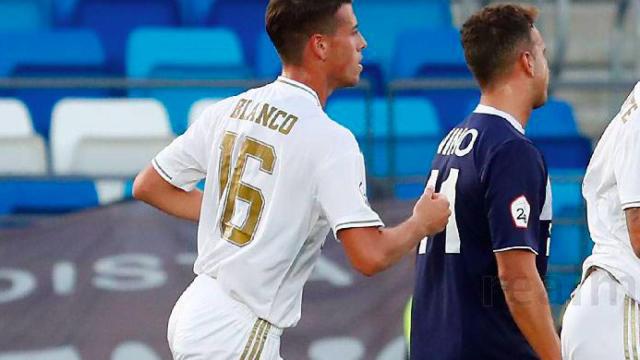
[431, 212]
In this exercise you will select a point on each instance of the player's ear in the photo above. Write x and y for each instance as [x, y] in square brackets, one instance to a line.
[319, 46]
[527, 61]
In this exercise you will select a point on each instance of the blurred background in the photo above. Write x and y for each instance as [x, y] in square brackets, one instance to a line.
[91, 90]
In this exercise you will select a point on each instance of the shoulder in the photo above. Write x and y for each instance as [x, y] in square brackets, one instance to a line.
[331, 140]
[518, 148]
[518, 156]
[217, 109]
[328, 132]
[630, 118]
[498, 136]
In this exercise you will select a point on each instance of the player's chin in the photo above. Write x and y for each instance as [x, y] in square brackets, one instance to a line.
[352, 80]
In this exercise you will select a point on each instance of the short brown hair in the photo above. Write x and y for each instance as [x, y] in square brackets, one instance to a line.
[290, 23]
[492, 36]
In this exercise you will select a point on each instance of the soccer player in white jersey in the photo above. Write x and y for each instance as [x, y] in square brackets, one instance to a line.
[602, 319]
[279, 174]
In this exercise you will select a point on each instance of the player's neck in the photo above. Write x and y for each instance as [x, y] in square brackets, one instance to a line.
[512, 102]
[316, 82]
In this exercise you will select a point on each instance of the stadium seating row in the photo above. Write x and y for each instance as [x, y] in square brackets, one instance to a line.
[212, 53]
[410, 123]
[117, 137]
[99, 14]
[200, 54]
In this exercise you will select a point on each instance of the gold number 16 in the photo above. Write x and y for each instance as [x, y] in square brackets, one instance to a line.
[238, 190]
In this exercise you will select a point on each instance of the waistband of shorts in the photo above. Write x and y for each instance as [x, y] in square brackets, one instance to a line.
[594, 268]
[244, 311]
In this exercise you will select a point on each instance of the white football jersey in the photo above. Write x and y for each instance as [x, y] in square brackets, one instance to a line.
[611, 185]
[279, 174]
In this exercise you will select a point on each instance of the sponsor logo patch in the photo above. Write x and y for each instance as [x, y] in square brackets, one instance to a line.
[520, 210]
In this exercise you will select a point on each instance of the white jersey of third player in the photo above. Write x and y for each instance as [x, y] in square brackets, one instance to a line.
[279, 174]
[611, 185]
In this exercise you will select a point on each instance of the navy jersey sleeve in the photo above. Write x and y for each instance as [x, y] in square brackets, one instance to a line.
[515, 183]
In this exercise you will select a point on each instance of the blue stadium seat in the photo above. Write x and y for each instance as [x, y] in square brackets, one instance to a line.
[565, 153]
[568, 244]
[63, 11]
[553, 129]
[416, 130]
[567, 197]
[113, 20]
[268, 63]
[245, 18]
[560, 285]
[412, 116]
[61, 48]
[381, 21]
[44, 196]
[23, 15]
[61, 53]
[441, 57]
[186, 54]
[195, 12]
[554, 119]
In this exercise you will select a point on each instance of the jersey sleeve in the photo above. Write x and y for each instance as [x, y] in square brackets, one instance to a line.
[515, 182]
[342, 193]
[627, 166]
[183, 163]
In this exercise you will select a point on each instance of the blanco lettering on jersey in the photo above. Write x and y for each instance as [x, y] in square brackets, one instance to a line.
[453, 142]
[265, 115]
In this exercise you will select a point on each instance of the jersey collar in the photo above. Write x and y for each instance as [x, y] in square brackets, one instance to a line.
[300, 86]
[485, 109]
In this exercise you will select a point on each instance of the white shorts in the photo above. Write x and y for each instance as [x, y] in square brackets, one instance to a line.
[206, 323]
[601, 321]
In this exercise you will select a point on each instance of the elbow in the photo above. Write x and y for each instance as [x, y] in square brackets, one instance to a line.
[371, 265]
[509, 281]
[141, 188]
[636, 247]
[368, 270]
[508, 278]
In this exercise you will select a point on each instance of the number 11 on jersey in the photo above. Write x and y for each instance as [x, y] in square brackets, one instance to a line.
[448, 188]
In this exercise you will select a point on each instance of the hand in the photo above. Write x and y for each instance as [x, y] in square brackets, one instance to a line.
[431, 212]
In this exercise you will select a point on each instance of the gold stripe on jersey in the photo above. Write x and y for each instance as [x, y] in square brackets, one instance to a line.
[264, 340]
[247, 347]
[262, 336]
[264, 114]
[625, 335]
[226, 148]
[629, 107]
[634, 334]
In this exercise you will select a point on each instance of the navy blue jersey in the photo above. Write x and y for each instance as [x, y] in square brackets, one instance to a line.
[497, 183]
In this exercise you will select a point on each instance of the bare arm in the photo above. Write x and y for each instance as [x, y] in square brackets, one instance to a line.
[371, 250]
[151, 188]
[633, 224]
[527, 300]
